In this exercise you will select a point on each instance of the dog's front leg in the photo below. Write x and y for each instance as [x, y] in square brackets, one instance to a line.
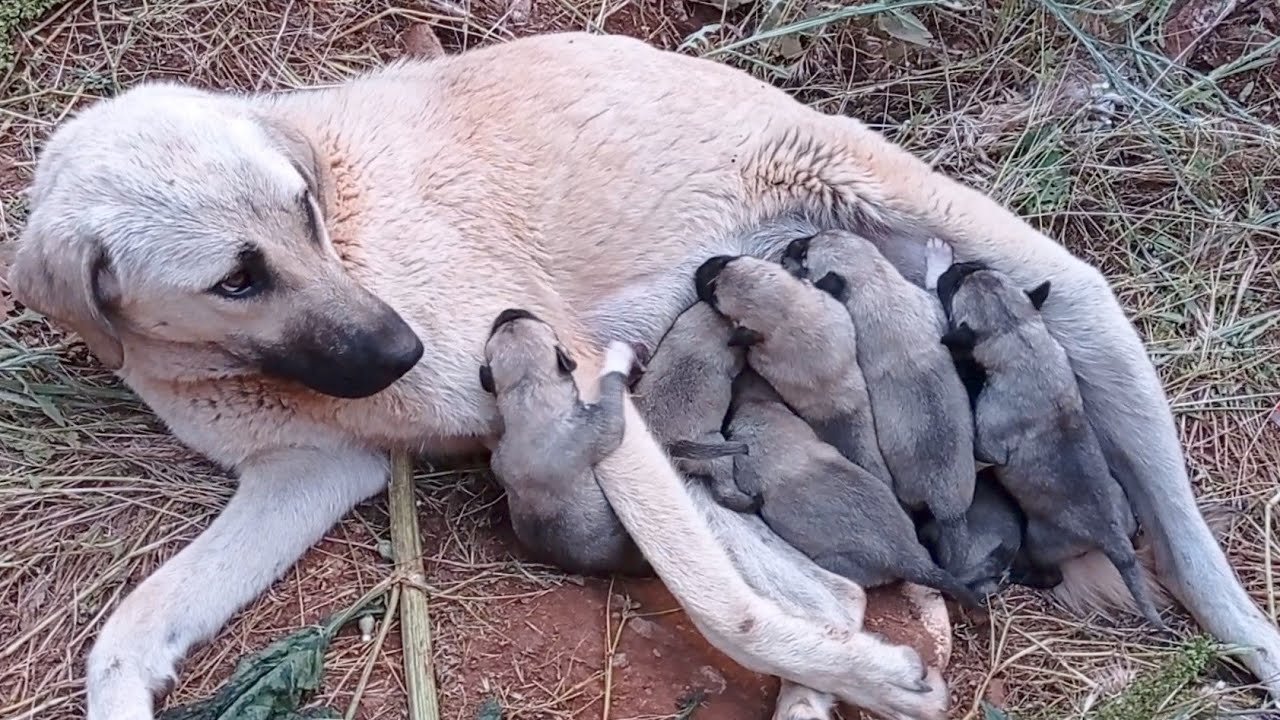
[285, 502]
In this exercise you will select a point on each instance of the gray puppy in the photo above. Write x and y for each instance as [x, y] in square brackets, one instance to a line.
[995, 526]
[550, 443]
[921, 410]
[801, 340]
[684, 398]
[827, 507]
[1031, 424]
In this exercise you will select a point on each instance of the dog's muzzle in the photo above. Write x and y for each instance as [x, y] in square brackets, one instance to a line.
[346, 361]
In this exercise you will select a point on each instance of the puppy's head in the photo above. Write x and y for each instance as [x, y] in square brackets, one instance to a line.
[851, 256]
[981, 302]
[175, 223]
[756, 295]
[522, 349]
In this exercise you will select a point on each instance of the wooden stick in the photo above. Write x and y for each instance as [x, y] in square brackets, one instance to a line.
[415, 622]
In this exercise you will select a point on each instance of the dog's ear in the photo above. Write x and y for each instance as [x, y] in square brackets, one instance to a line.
[564, 362]
[961, 338]
[486, 379]
[744, 337]
[834, 285]
[301, 153]
[1039, 294]
[72, 284]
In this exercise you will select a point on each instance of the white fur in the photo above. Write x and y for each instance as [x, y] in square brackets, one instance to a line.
[588, 192]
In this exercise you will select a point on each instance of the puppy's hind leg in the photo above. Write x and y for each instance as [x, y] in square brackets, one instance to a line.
[285, 503]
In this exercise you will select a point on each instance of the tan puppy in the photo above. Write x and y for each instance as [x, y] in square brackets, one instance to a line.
[801, 340]
[685, 394]
[921, 410]
[193, 238]
[551, 443]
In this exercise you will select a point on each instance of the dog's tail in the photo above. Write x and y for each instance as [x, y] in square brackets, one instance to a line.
[694, 450]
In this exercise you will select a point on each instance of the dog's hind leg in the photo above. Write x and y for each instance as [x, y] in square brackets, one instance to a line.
[285, 502]
[840, 173]
[649, 498]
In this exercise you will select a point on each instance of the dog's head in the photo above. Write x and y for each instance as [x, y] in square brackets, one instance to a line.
[981, 302]
[523, 349]
[178, 223]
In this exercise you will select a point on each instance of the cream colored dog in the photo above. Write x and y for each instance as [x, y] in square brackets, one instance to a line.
[260, 270]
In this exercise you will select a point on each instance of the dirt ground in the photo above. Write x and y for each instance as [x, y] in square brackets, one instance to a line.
[1165, 176]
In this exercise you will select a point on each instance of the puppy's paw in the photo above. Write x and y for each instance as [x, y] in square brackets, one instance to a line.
[619, 357]
[797, 702]
[937, 258]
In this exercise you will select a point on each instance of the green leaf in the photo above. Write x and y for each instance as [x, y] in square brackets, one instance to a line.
[490, 709]
[274, 683]
[904, 25]
[991, 712]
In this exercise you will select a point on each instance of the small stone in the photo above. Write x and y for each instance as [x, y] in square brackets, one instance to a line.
[716, 683]
[619, 661]
[646, 629]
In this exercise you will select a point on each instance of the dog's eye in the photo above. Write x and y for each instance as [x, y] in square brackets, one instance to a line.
[238, 284]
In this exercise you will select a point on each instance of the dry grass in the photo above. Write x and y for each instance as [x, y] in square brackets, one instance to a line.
[1168, 179]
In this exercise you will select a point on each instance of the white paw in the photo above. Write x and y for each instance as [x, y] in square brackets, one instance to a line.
[618, 358]
[938, 256]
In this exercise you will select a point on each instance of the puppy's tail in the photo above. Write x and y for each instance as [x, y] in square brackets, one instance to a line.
[1121, 554]
[694, 450]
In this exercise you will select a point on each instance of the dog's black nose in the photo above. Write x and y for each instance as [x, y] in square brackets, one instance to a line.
[704, 280]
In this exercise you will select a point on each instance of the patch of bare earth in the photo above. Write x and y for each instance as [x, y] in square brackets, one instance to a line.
[1167, 176]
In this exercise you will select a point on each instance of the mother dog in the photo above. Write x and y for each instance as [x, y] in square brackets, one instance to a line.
[297, 283]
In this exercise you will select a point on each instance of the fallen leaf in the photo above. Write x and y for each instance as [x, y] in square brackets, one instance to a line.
[420, 41]
[905, 26]
[490, 709]
[273, 683]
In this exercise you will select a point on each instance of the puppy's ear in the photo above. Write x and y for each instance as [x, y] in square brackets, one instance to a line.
[961, 338]
[1039, 294]
[744, 337]
[639, 364]
[486, 379]
[834, 285]
[564, 362]
[71, 284]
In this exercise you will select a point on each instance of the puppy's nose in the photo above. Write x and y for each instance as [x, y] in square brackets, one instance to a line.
[704, 280]
[797, 250]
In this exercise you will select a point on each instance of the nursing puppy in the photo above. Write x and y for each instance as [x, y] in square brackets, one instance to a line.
[828, 508]
[994, 525]
[1030, 424]
[293, 301]
[684, 396]
[918, 402]
[551, 442]
[801, 341]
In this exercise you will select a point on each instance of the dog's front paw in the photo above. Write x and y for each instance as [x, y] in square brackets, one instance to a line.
[618, 358]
